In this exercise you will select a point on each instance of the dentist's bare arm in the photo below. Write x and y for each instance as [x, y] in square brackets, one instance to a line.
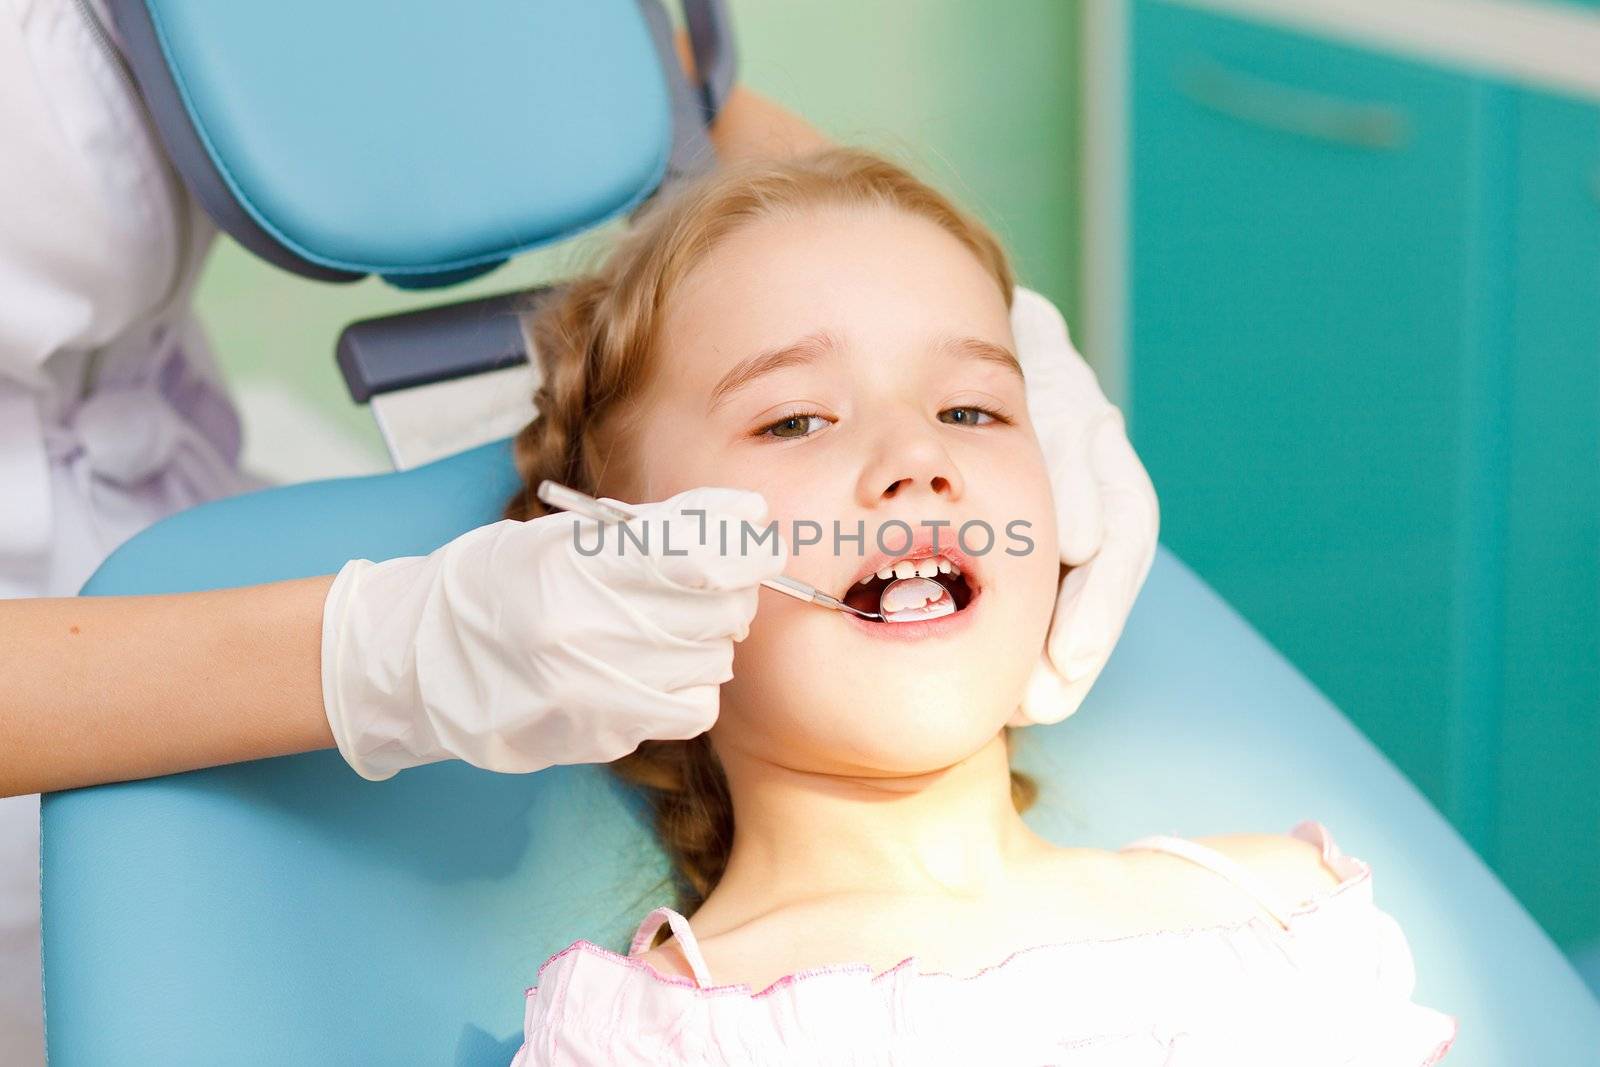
[106, 689]
[750, 125]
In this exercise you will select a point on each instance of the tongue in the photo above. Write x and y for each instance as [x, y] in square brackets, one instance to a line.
[915, 599]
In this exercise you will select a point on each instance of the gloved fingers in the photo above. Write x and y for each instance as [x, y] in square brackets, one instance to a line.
[1067, 408]
[1055, 371]
[661, 660]
[695, 711]
[1049, 697]
[505, 648]
[709, 538]
[635, 704]
[699, 616]
[1104, 471]
[1041, 334]
[739, 563]
[651, 612]
[1133, 511]
[1097, 596]
[671, 636]
[1080, 513]
[586, 711]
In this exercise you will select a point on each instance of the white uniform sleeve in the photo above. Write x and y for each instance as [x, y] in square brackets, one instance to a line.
[94, 218]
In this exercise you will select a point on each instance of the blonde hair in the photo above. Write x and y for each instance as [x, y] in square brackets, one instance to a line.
[594, 338]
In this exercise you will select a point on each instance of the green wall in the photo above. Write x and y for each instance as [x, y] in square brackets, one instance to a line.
[979, 97]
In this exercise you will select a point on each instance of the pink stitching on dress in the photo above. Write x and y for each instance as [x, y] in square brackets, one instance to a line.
[1444, 1046]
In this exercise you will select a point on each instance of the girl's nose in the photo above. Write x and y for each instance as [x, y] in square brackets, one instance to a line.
[909, 459]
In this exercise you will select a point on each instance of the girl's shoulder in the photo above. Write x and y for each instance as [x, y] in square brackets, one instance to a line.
[1293, 867]
[668, 959]
[1231, 876]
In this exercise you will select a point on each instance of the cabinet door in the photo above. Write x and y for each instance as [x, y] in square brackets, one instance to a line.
[1302, 313]
[1548, 774]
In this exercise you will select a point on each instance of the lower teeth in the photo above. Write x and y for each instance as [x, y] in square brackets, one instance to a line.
[915, 599]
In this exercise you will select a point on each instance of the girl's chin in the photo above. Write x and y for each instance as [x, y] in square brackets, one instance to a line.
[901, 741]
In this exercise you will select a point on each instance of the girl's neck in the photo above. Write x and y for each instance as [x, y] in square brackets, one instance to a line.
[799, 836]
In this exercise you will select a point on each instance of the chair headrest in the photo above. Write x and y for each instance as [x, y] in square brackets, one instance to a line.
[424, 142]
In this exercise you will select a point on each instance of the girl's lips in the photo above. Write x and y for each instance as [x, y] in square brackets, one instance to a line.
[922, 547]
[922, 630]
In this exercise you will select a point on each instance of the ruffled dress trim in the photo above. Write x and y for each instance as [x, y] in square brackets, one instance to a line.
[1334, 987]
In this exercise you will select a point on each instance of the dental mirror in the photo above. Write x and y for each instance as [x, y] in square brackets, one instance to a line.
[914, 599]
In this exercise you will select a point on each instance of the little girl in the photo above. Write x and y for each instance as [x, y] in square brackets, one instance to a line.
[858, 885]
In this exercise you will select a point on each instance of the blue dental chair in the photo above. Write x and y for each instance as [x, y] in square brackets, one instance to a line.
[289, 912]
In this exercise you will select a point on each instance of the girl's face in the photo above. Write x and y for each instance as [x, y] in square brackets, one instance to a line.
[855, 367]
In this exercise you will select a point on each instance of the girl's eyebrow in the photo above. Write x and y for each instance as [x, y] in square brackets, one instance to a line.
[806, 350]
[822, 343]
[988, 351]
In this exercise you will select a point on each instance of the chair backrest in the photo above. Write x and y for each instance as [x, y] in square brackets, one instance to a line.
[288, 911]
[424, 142]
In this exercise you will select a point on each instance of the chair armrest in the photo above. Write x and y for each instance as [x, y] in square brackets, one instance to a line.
[437, 344]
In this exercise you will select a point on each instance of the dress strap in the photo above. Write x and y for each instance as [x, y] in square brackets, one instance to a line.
[1219, 863]
[686, 941]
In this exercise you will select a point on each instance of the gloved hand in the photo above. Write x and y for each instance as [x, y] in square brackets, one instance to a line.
[513, 650]
[1106, 512]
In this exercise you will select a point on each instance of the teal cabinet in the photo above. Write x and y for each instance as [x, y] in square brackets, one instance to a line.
[1547, 786]
[1364, 373]
[1302, 218]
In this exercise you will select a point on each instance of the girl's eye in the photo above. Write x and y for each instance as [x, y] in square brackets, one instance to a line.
[967, 416]
[803, 424]
[794, 427]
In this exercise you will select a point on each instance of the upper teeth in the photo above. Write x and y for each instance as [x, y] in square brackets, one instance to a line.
[921, 568]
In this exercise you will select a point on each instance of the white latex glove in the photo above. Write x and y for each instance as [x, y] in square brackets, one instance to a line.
[511, 649]
[1106, 512]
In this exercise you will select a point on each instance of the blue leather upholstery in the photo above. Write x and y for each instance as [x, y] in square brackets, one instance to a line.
[425, 142]
[288, 911]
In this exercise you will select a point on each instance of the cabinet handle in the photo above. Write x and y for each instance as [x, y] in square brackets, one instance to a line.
[1293, 110]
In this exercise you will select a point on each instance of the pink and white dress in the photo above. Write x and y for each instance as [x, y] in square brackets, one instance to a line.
[1329, 982]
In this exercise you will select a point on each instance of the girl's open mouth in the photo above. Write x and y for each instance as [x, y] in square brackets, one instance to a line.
[914, 589]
